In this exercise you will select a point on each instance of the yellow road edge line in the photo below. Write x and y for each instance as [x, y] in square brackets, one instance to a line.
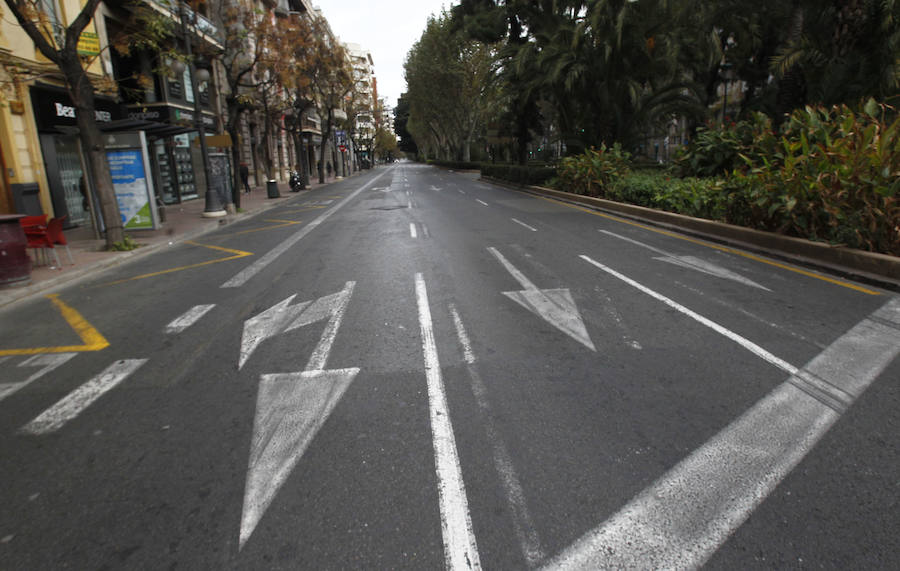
[93, 339]
[237, 254]
[753, 257]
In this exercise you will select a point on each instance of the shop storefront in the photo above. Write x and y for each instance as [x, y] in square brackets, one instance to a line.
[176, 159]
[54, 116]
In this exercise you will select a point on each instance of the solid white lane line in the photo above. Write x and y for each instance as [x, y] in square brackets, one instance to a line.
[532, 228]
[481, 201]
[743, 342]
[460, 549]
[520, 277]
[412, 230]
[691, 262]
[244, 275]
[686, 515]
[523, 525]
[75, 402]
[48, 362]
[189, 318]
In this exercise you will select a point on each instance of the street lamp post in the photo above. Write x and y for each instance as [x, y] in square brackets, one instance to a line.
[213, 207]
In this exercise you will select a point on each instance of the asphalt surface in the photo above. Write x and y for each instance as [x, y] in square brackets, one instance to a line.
[480, 378]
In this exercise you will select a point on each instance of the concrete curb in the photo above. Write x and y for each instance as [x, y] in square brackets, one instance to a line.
[868, 267]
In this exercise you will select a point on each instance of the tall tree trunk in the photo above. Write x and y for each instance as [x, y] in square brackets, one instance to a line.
[82, 93]
[234, 117]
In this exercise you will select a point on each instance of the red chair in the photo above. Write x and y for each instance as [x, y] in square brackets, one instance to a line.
[35, 228]
[55, 236]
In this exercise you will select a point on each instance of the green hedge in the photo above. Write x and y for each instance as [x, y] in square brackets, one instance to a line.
[457, 165]
[519, 174]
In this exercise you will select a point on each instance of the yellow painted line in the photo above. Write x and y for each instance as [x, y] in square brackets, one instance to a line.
[236, 254]
[279, 224]
[92, 339]
[749, 256]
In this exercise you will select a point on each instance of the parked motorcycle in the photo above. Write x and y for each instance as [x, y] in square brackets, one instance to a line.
[295, 182]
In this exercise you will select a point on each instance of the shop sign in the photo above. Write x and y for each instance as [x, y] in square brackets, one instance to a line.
[88, 44]
[53, 108]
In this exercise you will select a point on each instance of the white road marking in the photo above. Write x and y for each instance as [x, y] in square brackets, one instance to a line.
[691, 262]
[78, 400]
[244, 275]
[412, 230]
[292, 407]
[687, 514]
[461, 191]
[425, 231]
[481, 201]
[523, 525]
[283, 317]
[555, 306]
[743, 342]
[410, 205]
[189, 318]
[47, 363]
[290, 410]
[434, 188]
[532, 228]
[460, 549]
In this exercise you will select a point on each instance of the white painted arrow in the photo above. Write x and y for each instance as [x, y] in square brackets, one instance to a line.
[290, 407]
[555, 306]
[692, 263]
[283, 317]
[290, 410]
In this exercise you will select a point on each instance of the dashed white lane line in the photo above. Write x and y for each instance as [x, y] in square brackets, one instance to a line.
[460, 549]
[461, 191]
[742, 341]
[78, 400]
[481, 201]
[523, 525]
[412, 230]
[189, 318]
[244, 275]
[425, 232]
[685, 516]
[520, 223]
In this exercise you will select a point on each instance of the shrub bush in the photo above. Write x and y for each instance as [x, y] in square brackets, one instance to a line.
[458, 165]
[519, 174]
[593, 172]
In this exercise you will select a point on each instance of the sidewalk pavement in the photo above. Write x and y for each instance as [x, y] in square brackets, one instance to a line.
[183, 222]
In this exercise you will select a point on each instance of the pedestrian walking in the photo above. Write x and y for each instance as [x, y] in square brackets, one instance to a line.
[245, 177]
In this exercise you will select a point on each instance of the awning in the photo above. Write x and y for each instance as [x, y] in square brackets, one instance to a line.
[151, 128]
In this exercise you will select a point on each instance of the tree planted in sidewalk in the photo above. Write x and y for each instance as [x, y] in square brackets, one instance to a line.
[59, 44]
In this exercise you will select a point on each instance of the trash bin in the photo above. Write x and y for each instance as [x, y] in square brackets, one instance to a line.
[272, 189]
[15, 265]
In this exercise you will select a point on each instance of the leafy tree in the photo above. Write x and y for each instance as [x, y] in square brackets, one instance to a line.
[385, 143]
[445, 120]
[59, 44]
[406, 142]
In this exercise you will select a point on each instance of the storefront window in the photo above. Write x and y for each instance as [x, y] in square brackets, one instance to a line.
[69, 168]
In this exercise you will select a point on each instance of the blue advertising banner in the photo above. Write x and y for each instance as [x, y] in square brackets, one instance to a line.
[132, 191]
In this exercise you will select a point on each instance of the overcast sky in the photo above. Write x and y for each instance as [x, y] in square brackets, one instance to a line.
[387, 28]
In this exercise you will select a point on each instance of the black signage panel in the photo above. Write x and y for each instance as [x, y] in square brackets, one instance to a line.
[53, 107]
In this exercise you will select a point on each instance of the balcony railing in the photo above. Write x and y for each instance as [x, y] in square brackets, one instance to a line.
[203, 24]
